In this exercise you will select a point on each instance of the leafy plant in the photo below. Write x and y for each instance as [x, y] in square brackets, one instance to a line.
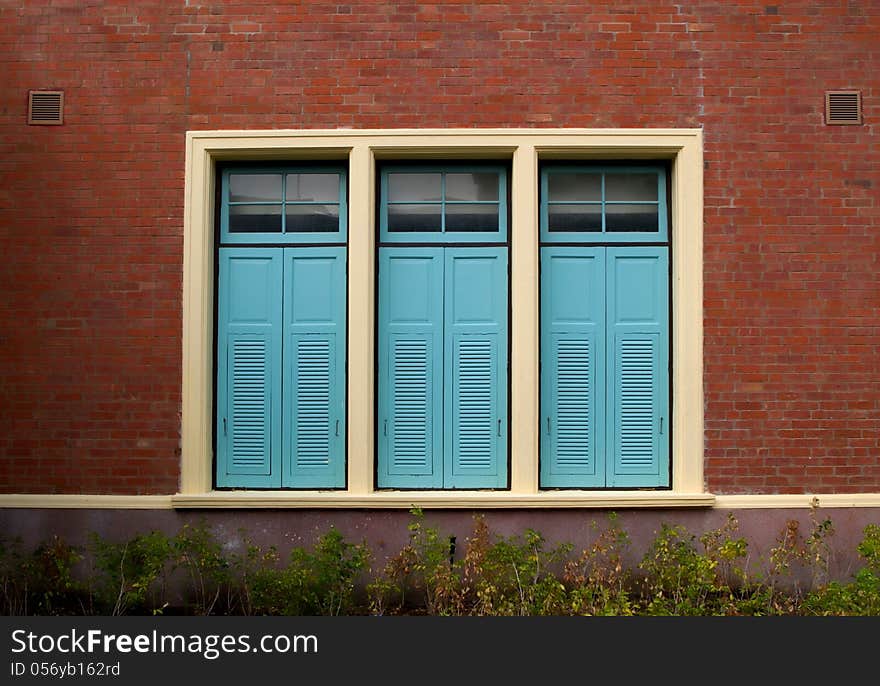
[513, 576]
[53, 586]
[200, 555]
[317, 582]
[425, 566]
[795, 558]
[681, 580]
[679, 574]
[42, 581]
[130, 576]
[14, 588]
[859, 597]
[597, 580]
[332, 570]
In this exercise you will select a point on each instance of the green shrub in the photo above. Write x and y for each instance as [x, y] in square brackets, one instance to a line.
[678, 581]
[42, 582]
[859, 597]
[505, 576]
[513, 576]
[317, 582]
[199, 555]
[53, 587]
[14, 587]
[130, 577]
[597, 581]
[426, 568]
[679, 574]
[681, 580]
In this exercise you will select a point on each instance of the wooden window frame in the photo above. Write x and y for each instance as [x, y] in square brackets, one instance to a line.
[362, 150]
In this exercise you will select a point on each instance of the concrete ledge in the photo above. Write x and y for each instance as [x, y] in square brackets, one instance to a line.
[438, 500]
[443, 499]
[797, 500]
[111, 502]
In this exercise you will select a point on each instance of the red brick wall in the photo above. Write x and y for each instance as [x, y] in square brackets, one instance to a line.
[91, 212]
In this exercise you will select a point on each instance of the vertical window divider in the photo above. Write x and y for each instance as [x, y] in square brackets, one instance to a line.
[523, 237]
[362, 316]
[283, 204]
[443, 202]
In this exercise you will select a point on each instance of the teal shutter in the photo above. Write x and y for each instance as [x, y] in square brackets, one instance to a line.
[572, 367]
[410, 409]
[475, 372]
[249, 368]
[313, 431]
[638, 366]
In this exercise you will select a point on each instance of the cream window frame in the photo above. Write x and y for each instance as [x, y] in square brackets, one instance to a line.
[524, 148]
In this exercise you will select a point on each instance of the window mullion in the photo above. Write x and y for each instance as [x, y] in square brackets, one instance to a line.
[443, 202]
[283, 204]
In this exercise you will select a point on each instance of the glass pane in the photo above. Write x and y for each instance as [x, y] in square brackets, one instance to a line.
[630, 187]
[413, 187]
[414, 217]
[254, 218]
[575, 217]
[472, 217]
[472, 186]
[312, 218]
[631, 218]
[312, 187]
[254, 187]
[583, 187]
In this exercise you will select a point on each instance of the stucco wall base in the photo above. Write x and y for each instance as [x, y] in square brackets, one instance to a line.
[386, 530]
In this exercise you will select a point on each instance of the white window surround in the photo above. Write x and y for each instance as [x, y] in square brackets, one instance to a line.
[361, 149]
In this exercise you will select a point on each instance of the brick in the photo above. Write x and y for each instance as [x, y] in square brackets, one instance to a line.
[90, 319]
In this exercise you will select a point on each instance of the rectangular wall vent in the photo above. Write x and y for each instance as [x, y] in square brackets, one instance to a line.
[46, 107]
[843, 107]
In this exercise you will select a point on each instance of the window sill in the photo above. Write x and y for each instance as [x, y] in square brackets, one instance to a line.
[440, 499]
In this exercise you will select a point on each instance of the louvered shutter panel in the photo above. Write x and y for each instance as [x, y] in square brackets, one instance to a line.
[249, 368]
[314, 367]
[572, 367]
[410, 416]
[475, 370]
[638, 366]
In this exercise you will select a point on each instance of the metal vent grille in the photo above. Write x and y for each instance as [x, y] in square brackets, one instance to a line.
[843, 107]
[46, 107]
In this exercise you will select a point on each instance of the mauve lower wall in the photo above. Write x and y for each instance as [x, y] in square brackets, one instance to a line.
[385, 531]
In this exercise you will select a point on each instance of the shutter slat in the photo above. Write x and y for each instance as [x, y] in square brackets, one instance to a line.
[636, 402]
[474, 401]
[250, 397]
[312, 403]
[411, 439]
[573, 414]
